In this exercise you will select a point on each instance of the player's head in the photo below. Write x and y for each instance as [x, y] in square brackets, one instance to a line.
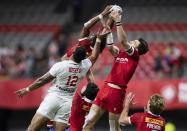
[93, 40]
[79, 54]
[90, 91]
[141, 45]
[156, 104]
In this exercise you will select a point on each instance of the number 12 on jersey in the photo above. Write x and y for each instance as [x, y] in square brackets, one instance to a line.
[72, 80]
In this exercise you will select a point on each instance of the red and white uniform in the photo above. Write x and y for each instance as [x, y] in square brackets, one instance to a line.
[80, 108]
[56, 105]
[84, 42]
[147, 122]
[111, 99]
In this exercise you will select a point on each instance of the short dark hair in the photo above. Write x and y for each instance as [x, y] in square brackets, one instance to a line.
[103, 43]
[143, 46]
[79, 54]
[91, 91]
[156, 104]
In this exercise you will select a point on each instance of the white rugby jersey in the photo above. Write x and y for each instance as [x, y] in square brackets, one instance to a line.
[68, 75]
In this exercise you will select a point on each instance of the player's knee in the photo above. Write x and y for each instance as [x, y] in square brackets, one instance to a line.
[31, 128]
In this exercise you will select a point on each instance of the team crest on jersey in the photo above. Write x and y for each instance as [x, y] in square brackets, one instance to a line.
[154, 121]
[86, 108]
[122, 60]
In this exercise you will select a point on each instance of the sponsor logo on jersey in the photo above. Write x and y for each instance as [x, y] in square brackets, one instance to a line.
[68, 90]
[74, 70]
[153, 126]
[154, 121]
[122, 60]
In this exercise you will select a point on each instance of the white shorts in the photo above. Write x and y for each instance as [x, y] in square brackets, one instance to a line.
[56, 108]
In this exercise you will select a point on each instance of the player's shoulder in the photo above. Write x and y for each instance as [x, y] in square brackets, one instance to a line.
[139, 115]
[85, 61]
[162, 118]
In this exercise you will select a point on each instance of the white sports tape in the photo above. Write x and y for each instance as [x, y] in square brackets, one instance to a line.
[112, 125]
[98, 40]
[87, 23]
[89, 117]
[27, 89]
[109, 39]
[100, 16]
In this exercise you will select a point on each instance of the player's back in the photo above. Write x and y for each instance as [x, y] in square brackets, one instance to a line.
[147, 122]
[68, 75]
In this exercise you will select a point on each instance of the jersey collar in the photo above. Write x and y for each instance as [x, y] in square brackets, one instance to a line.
[87, 100]
[152, 113]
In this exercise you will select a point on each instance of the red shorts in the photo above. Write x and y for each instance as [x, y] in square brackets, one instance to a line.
[71, 128]
[111, 99]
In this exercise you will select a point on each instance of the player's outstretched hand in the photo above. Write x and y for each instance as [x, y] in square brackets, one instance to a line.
[103, 34]
[106, 11]
[129, 100]
[21, 92]
[116, 15]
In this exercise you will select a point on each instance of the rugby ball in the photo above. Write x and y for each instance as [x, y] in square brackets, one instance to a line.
[116, 8]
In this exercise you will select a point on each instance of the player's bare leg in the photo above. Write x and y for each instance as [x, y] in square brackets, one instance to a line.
[38, 121]
[113, 122]
[59, 126]
[95, 113]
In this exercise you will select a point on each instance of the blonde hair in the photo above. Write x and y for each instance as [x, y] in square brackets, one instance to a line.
[156, 104]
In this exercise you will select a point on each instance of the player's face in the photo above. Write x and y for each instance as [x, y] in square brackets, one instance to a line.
[134, 43]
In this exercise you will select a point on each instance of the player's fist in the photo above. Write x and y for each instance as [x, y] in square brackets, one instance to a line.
[22, 92]
[116, 15]
[106, 10]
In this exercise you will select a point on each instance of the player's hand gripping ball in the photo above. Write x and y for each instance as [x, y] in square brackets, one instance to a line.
[116, 8]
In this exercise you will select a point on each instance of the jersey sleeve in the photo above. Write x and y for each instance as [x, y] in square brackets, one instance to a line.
[87, 63]
[55, 69]
[134, 118]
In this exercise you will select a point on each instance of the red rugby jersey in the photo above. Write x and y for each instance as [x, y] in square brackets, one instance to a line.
[123, 68]
[84, 42]
[79, 110]
[147, 122]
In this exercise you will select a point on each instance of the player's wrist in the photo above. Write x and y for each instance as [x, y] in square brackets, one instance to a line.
[98, 40]
[109, 39]
[27, 89]
[100, 16]
[118, 23]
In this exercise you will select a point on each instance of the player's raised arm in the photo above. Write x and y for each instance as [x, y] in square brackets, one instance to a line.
[96, 50]
[124, 118]
[122, 37]
[88, 25]
[90, 77]
[114, 50]
[36, 84]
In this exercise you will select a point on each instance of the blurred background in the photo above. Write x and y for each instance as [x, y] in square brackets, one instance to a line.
[34, 34]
